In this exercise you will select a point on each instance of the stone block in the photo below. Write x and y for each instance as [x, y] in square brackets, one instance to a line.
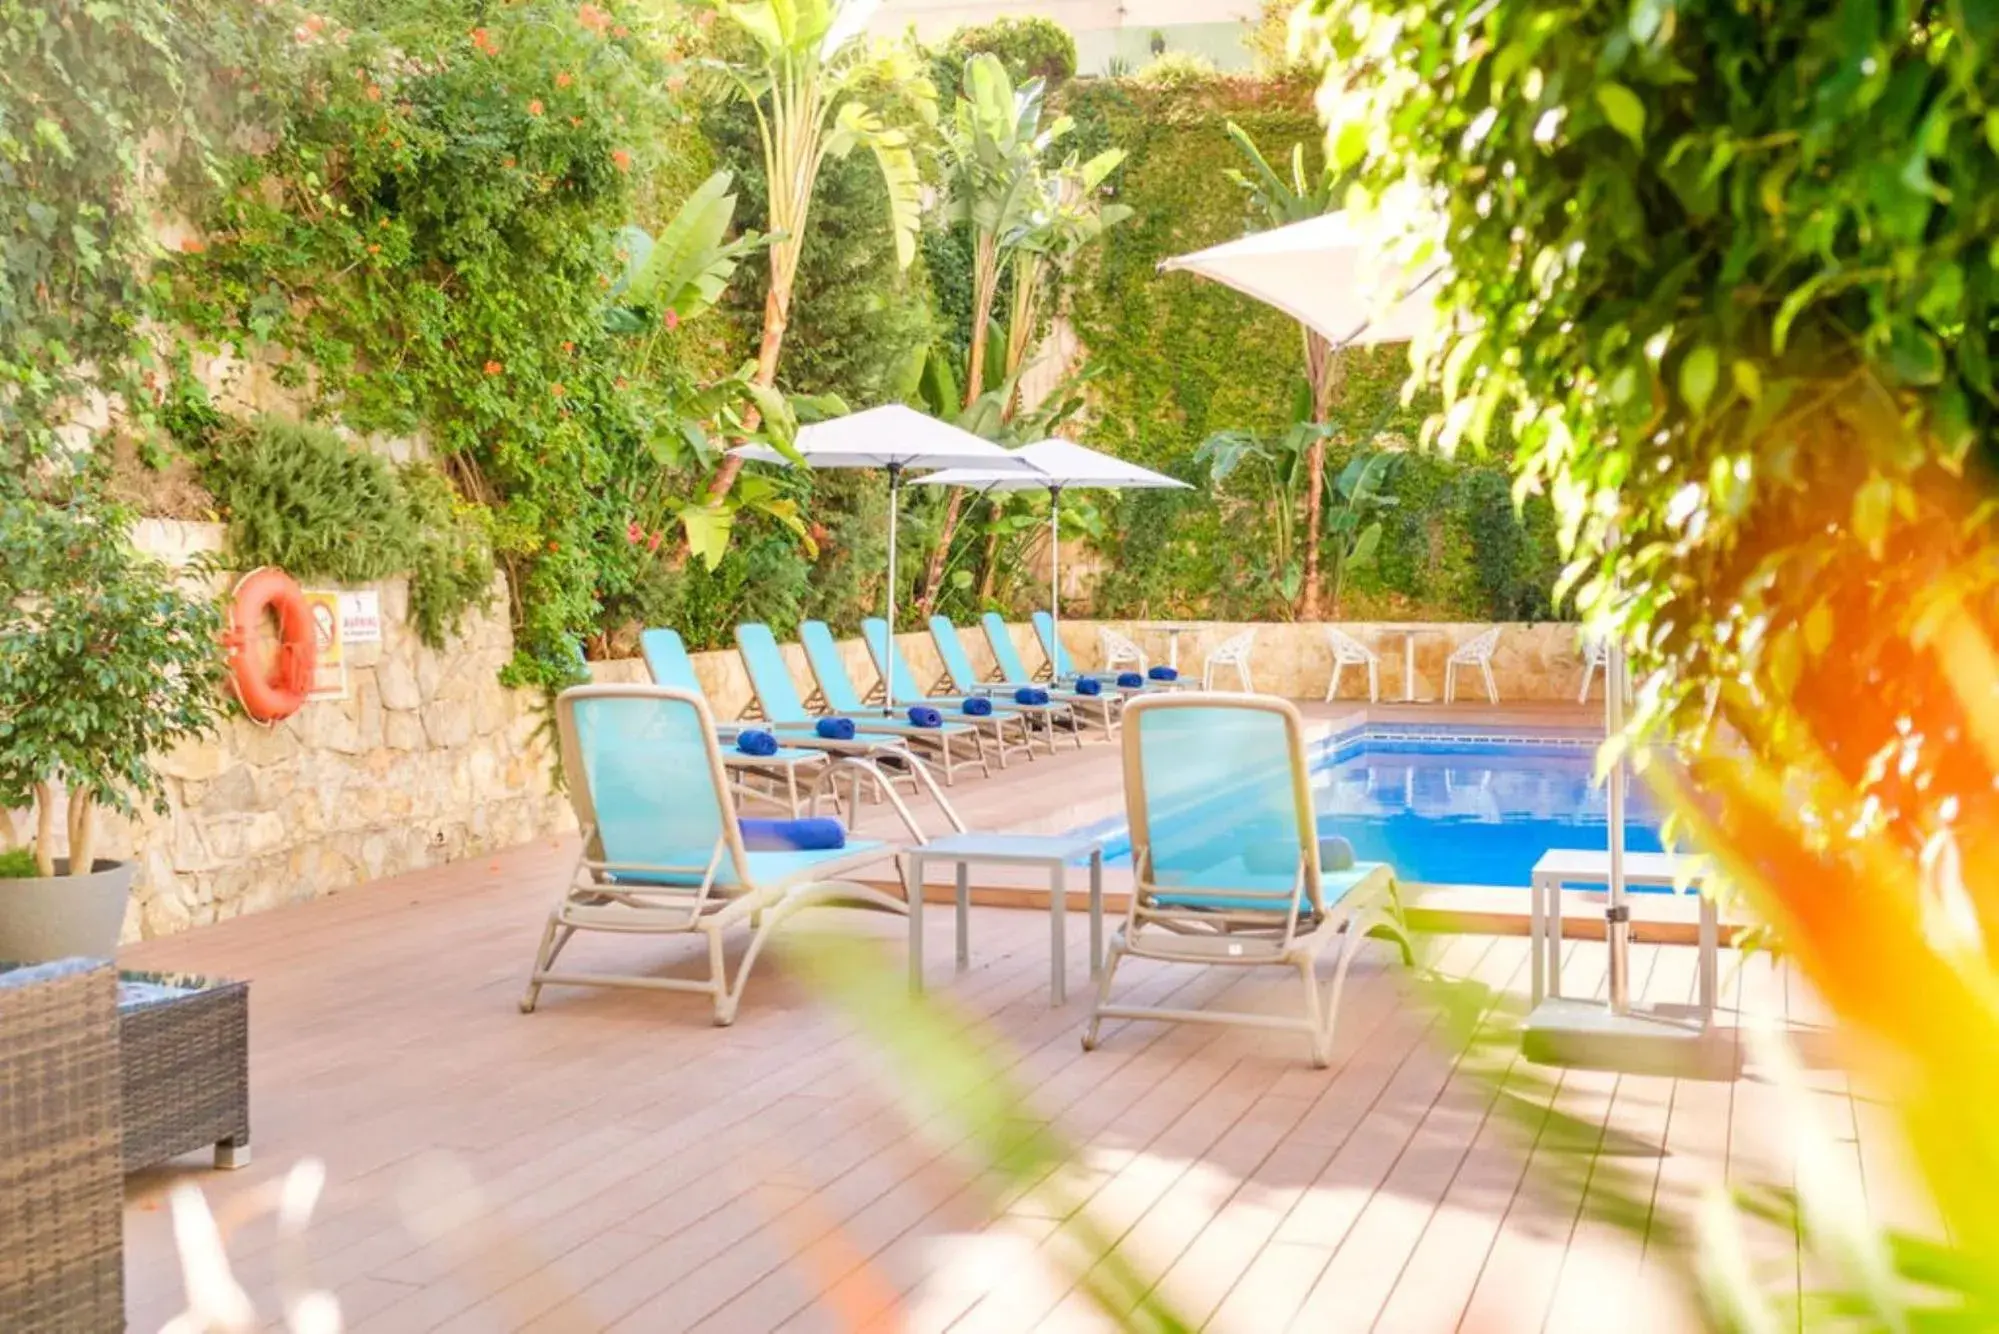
[448, 722]
[196, 761]
[395, 679]
[234, 792]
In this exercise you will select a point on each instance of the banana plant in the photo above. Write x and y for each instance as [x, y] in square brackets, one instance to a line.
[666, 281]
[1070, 215]
[819, 91]
[1275, 201]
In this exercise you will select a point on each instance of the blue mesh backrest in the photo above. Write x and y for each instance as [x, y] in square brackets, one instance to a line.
[646, 773]
[886, 651]
[1221, 809]
[952, 650]
[769, 675]
[667, 660]
[1044, 627]
[829, 668]
[1010, 666]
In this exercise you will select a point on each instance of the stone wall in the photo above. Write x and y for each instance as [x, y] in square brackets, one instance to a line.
[428, 759]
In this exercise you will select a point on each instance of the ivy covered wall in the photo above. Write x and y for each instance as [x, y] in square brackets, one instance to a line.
[1176, 358]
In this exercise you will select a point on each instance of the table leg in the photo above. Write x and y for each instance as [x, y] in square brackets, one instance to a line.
[964, 910]
[231, 1154]
[1096, 912]
[1408, 669]
[1555, 938]
[913, 891]
[1058, 911]
[1537, 927]
[1709, 965]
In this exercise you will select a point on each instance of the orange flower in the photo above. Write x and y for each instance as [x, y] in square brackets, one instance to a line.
[494, 368]
[483, 40]
[621, 31]
[621, 159]
[374, 92]
[554, 546]
[374, 250]
[593, 18]
[192, 245]
[576, 121]
[563, 80]
[534, 107]
[508, 164]
[568, 346]
[557, 390]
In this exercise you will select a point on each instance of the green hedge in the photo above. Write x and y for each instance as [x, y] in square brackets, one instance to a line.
[1178, 358]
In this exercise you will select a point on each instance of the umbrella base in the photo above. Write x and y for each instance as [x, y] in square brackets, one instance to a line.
[1666, 1040]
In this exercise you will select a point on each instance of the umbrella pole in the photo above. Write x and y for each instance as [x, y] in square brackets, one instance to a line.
[888, 650]
[1617, 913]
[1055, 579]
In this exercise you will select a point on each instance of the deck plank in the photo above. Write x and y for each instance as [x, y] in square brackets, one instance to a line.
[615, 1161]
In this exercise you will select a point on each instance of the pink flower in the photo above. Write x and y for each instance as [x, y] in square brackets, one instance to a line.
[671, 319]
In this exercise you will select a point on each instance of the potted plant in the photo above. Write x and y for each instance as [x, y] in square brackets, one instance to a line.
[105, 663]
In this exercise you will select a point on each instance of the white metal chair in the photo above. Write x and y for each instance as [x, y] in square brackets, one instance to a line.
[1231, 652]
[1350, 652]
[1120, 653]
[1228, 869]
[1477, 652]
[1596, 657]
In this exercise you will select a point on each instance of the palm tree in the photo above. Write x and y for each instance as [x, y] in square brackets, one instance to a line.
[1281, 202]
[815, 84]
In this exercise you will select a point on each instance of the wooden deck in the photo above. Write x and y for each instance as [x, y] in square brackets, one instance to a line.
[615, 1162]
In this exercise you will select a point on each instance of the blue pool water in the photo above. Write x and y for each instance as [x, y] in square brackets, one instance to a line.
[1455, 810]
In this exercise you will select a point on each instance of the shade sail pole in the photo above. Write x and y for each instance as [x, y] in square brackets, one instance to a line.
[888, 649]
[1055, 578]
[1617, 913]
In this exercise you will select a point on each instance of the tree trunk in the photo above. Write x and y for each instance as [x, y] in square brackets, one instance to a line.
[45, 828]
[990, 565]
[775, 319]
[82, 832]
[1322, 373]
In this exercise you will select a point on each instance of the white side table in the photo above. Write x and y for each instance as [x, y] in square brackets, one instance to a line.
[1560, 867]
[1173, 630]
[1410, 634]
[1053, 852]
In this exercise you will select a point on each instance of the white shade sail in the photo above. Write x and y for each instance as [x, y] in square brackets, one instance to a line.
[895, 437]
[1056, 463]
[1328, 273]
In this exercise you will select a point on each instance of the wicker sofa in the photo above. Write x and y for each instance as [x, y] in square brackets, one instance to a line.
[62, 1203]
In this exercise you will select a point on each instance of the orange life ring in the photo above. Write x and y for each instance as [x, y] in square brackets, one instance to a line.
[279, 689]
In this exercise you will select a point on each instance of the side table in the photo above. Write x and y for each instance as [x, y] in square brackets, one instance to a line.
[184, 1063]
[1054, 852]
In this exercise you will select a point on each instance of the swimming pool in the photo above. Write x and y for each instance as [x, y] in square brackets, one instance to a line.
[1447, 807]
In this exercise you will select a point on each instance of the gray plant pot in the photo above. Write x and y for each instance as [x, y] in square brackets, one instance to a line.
[55, 917]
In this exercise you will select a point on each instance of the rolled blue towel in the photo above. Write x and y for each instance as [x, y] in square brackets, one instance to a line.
[1030, 695]
[793, 835]
[1335, 854]
[756, 741]
[925, 716]
[976, 706]
[1130, 681]
[1163, 674]
[1089, 685]
[836, 729]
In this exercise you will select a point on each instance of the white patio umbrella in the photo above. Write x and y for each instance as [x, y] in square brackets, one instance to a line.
[1058, 466]
[1343, 280]
[894, 438]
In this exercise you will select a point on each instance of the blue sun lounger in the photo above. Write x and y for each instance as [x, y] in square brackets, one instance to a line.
[781, 703]
[886, 652]
[881, 759]
[1100, 708]
[1007, 728]
[665, 853]
[1228, 869]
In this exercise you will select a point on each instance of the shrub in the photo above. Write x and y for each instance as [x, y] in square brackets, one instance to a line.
[18, 864]
[301, 498]
[105, 664]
